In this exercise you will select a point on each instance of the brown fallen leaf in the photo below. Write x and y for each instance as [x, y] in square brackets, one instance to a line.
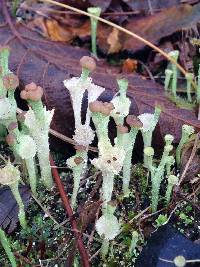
[129, 65]
[58, 33]
[47, 63]
[154, 27]
[110, 40]
[162, 24]
[114, 41]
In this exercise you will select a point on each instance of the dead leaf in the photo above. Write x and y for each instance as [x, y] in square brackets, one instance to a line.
[58, 33]
[114, 41]
[129, 65]
[154, 27]
[110, 40]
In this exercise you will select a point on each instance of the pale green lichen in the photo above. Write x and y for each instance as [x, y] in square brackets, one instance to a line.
[187, 131]
[77, 163]
[157, 173]
[40, 133]
[198, 87]
[96, 11]
[189, 77]
[134, 241]
[149, 122]
[121, 103]
[128, 145]
[172, 181]
[168, 76]
[174, 55]
[108, 228]
[6, 245]
[10, 176]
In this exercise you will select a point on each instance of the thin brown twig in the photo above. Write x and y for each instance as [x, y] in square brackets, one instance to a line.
[190, 159]
[24, 259]
[69, 211]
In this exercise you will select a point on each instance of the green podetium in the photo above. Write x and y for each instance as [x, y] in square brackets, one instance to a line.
[84, 134]
[172, 181]
[149, 122]
[189, 78]
[10, 176]
[198, 87]
[77, 163]
[4, 55]
[6, 245]
[168, 76]
[111, 158]
[134, 241]
[8, 104]
[174, 55]
[187, 131]
[108, 228]
[96, 11]
[8, 83]
[24, 146]
[37, 120]
[157, 173]
[128, 145]
[121, 103]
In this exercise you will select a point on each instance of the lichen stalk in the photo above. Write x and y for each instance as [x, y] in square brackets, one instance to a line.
[30, 165]
[94, 22]
[174, 54]
[24, 146]
[108, 228]
[187, 131]
[168, 76]
[170, 162]
[107, 187]
[189, 78]
[38, 120]
[78, 164]
[128, 161]
[21, 215]
[105, 248]
[198, 87]
[172, 181]
[149, 122]
[6, 245]
[10, 176]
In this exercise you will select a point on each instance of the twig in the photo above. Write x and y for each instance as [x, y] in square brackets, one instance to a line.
[46, 210]
[68, 209]
[93, 231]
[190, 160]
[94, 255]
[24, 259]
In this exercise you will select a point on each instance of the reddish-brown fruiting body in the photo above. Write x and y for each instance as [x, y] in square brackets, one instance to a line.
[133, 121]
[32, 92]
[11, 139]
[10, 81]
[78, 160]
[12, 126]
[88, 63]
